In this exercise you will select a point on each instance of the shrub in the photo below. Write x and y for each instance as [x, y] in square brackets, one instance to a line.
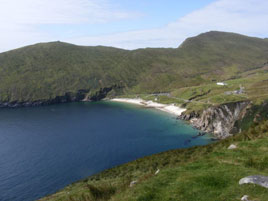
[103, 192]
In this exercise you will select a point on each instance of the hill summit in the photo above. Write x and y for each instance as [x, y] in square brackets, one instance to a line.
[46, 71]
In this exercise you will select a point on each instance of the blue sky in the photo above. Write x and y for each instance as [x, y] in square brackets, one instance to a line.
[150, 14]
[126, 24]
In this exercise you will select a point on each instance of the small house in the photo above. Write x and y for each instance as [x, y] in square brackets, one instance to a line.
[221, 84]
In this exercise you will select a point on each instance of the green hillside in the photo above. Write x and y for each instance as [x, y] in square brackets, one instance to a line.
[188, 76]
[253, 82]
[47, 70]
[209, 56]
[207, 173]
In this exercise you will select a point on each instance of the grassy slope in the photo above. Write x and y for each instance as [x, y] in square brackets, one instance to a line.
[209, 56]
[205, 173]
[254, 82]
[46, 70]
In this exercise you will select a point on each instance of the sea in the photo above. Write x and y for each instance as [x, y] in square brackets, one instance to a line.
[43, 149]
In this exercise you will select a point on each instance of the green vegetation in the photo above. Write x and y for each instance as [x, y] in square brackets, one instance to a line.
[186, 76]
[253, 83]
[205, 173]
[46, 70]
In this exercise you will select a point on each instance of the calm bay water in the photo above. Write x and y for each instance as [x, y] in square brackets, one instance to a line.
[43, 149]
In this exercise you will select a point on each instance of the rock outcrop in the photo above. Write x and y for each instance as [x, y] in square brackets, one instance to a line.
[219, 120]
[67, 97]
[102, 93]
[80, 95]
[255, 179]
[245, 198]
[133, 183]
[232, 146]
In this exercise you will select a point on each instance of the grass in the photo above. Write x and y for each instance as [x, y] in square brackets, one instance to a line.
[188, 73]
[198, 98]
[47, 70]
[206, 173]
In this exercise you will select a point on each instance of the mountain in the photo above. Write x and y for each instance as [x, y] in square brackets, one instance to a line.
[62, 72]
[59, 72]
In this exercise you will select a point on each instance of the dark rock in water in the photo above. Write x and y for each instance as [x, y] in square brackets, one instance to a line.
[200, 134]
[196, 136]
[214, 139]
[187, 142]
[255, 179]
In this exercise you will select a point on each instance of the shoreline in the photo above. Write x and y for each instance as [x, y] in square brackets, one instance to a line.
[171, 108]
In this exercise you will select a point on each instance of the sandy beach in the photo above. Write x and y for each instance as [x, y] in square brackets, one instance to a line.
[163, 107]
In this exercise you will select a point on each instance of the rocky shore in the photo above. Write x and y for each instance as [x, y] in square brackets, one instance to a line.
[218, 120]
[80, 95]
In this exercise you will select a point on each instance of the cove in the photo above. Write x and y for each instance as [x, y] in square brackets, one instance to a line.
[43, 149]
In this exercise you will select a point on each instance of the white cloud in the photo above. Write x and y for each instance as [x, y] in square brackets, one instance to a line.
[58, 11]
[19, 19]
[248, 17]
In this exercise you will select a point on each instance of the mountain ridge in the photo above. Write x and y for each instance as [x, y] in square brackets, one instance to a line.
[45, 71]
[56, 72]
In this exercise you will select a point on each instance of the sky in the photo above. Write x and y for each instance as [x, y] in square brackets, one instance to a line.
[126, 24]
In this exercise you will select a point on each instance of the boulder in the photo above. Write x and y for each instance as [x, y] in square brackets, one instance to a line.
[255, 179]
[232, 146]
[245, 198]
[133, 183]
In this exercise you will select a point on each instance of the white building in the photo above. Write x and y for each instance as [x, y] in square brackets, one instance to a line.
[221, 83]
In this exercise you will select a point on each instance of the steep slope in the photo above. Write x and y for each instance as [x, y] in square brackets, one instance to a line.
[205, 173]
[218, 120]
[63, 72]
[44, 71]
[225, 50]
[209, 56]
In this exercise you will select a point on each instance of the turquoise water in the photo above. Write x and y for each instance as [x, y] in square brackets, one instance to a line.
[43, 149]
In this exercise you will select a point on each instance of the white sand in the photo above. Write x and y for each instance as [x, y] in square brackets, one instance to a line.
[166, 108]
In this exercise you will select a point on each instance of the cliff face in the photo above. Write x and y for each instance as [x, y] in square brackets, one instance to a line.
[218, 120]
[80, 95]
[67, 97]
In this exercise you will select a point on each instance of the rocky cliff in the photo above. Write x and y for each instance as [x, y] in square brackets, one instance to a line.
[80, 95]
[219, 120]
[67, 97]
